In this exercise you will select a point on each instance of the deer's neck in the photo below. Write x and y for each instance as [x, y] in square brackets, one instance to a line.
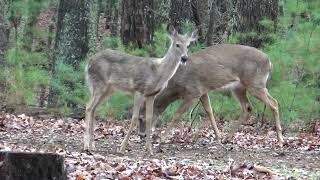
[167, 67]
[169, 64]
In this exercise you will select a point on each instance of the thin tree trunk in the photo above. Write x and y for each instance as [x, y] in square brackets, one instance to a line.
[213, 17]
[115, 17]
[93, 26]
[196, 18]
[4, 36]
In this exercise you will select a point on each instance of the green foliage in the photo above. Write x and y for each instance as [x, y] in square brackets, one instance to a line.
[293, 50]
[25, 72]
[113, 43]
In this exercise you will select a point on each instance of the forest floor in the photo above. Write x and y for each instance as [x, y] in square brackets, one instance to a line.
[253, 153]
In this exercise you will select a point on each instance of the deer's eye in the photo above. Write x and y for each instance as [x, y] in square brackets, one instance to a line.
[177, 45]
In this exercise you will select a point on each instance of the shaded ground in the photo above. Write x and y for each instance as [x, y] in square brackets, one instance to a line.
[184, 157]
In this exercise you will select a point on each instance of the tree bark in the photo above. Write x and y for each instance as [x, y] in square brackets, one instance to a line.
[3, 31]
[196, 13]
[136, 22]
[219, 16]
[114, 17]
[250, 14]
[93, 26]
[180, 12]
[71, 44]
[23, 166]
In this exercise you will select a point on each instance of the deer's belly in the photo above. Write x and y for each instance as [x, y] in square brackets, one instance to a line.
[229, 86]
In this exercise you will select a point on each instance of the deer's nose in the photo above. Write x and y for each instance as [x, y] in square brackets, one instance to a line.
[184, 59]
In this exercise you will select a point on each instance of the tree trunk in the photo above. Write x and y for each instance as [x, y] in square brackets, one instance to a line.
[3, 31]
[108, 13]
[45, 166]
[114, 17]
[250, 14]
[196, 13]
[136, 28]
[93, 26]
[180, 12]
[71, 44]
[219, 21]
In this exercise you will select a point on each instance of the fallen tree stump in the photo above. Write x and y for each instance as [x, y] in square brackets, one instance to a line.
[35, 166]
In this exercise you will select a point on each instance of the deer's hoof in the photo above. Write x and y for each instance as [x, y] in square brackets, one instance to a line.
[226, 140]
[122, 149]
[87, 151]
[149, 153]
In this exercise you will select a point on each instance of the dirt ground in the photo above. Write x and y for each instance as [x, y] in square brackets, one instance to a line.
[183, 157]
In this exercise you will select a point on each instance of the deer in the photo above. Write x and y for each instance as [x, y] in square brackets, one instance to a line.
[110, 70]
[240, 69]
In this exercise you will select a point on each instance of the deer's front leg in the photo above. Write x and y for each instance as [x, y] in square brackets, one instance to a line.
[149, 115]
[138, 100]
[96, 99]
[89, 125]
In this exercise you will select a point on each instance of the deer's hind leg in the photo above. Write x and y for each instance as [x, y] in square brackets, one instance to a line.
[138, 101]
[205, 100]
[96, 98]
[245, 110]
[186, 104]
[264, 96]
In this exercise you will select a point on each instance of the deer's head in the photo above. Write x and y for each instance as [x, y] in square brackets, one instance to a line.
[181, 43]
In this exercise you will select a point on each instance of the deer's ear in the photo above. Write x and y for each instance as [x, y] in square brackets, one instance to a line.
[171, 31]
[194, 35]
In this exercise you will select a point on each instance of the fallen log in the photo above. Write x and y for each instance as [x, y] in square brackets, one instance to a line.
[35, 166]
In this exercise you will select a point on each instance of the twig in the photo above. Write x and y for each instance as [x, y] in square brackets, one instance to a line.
[192, 113]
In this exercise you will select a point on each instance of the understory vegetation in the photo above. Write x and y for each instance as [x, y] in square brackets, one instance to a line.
[293, 48]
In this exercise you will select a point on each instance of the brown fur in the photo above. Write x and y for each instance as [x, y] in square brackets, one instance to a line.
[238, 68]
[110, 70]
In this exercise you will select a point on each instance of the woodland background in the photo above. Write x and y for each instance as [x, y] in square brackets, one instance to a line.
[44, 46]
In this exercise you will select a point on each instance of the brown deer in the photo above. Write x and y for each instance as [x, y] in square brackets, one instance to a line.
[238, 68]
[110, 70]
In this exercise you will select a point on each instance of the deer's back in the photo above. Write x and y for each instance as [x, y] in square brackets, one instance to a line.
[122, 71]
[215, 67]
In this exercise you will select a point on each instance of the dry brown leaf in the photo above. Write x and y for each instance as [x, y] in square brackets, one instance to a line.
[120, 167]
[262, 169]
[80, 177]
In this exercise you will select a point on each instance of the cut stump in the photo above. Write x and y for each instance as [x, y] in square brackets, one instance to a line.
[35, 166]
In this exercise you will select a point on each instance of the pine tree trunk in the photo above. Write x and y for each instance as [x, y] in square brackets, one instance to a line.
[71, 43]
[250, 14]
[135, 26]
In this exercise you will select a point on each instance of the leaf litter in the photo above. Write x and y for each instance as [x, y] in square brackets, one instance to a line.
[189, 154]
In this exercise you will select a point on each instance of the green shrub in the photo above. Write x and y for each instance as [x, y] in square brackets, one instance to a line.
[23, 75]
